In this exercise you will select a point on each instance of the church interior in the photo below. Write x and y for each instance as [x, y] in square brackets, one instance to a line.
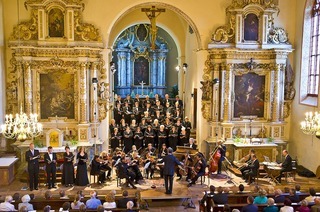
[238, 80]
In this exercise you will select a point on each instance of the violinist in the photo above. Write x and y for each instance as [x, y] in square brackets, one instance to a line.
[105, 164]
[96, 169]
[149, 150]
[199, 169]
[138, 138]
[186, 169]
[222, 149]
[149, 165]
[133, 150]
[134, 167]
[116, 159]
[123, 172]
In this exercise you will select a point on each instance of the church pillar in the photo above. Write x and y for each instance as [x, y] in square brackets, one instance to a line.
[27, 87]
[226, 92]
[122, 68]
[161, 73]
[20, 86]
[83, 93]
[154, 70]
[275, 102]
[129, 71]
[94, 94]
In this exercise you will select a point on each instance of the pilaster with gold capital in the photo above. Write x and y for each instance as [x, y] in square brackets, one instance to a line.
[27, 87]
[83, 92]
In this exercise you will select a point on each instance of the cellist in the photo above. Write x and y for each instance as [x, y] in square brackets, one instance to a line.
[222, 149]
[199, 169]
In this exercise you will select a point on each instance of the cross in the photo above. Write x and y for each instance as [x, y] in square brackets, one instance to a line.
[152, 13]
[142, 84]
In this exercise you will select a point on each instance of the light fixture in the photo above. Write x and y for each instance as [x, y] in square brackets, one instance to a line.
[184, 67]
[178, 68]
[310, 125]
[21, 126]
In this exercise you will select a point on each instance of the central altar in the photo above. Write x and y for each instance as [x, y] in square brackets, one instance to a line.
[270, 150]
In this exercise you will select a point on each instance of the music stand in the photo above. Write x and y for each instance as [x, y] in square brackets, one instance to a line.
[230, 179]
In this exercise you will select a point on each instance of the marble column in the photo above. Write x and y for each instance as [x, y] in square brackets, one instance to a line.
[154, 71]
[122, 72]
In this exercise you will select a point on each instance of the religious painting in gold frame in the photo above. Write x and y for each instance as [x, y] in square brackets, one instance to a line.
[56, 23]
[141, 71]
[57, 90]
[249, 95]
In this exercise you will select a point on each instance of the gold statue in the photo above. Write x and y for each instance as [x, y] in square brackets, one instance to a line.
[152, 13]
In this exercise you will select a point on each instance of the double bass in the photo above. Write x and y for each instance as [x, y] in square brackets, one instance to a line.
[215, 156]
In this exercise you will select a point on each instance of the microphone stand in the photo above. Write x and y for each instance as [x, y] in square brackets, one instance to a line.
[230, 179]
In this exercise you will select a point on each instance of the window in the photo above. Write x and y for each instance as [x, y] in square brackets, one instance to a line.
[314, 57]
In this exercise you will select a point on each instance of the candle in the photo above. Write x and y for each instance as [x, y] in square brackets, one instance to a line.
[245, 128]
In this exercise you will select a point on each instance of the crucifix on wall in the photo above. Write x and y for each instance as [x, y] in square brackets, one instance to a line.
[152, 13]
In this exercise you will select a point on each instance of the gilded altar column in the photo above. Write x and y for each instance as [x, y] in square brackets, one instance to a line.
[275, 101]
[227, 92]
[27, 88]
[83, 93]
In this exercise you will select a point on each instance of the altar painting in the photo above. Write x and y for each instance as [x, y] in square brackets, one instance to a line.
[57, 95]
[56, 23]
[249, 92]
[251, 27]
[141, 71]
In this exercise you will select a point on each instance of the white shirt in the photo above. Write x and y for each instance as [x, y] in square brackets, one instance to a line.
[286, 209]
[6, 206]
[50, 156]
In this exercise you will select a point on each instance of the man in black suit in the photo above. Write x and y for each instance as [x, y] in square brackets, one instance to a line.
[192, 144]
[50, 158]
[221, 197]
[122, 203]
[168, 170]
[198, 170]
[253, 169]
[286, 166]
[32, 158]
[250, 207]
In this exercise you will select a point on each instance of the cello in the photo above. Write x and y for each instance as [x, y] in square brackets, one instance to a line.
[215, 156]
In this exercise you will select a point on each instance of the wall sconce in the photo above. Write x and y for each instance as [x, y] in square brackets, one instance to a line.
[192, 95]
[178, 68]
[184, 67]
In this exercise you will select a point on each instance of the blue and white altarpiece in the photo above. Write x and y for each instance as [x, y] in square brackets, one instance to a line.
[139, 68]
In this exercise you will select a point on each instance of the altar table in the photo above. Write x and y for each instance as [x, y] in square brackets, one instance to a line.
[7, 170]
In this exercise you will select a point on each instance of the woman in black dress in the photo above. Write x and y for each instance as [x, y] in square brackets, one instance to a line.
[68, 169]
[127, 139]
[162, 136]
[115, 139]
[149, 135]
[82, 173]
[138, 138]
[173, 138]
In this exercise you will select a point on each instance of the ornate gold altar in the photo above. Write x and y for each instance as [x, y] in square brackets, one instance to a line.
[249, 56]
[58, 69]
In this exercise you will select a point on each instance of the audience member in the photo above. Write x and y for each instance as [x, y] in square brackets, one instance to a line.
[261, 198]
[65, 207]
[220, 197]
[293, 195]
[80, 193]
[100, 208]
[123, 201]
[304, 206]
[16, 197]
[256, 188]
[25, 202]
[23, 209]
[226, 208]
[312, 196]
[250, 207]
[93, 202]
[77, 202]
[32, 196]
[270, 189]
[235, 210]
[316, 206]
[297, 187]
[287, 206]
[130, 206]
[6, 205]
[63, 195]
[271, 207]
[83, 208]
[110, 201]
[241, 189]
[278, 197]
[48, 195]
[47, 208]
[286, 190]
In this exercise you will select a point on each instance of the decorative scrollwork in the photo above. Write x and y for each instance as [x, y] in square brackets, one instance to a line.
[206, 111]
[263, 3]
[225, 34]
[206, 90]
[26, 30]
[85, 31]
[277, 35]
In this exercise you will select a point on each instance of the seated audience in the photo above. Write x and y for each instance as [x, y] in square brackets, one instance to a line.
[287, 206]
[297, 187]
[278, 197]
[123, 201]
[83, 208]
[93, 202]
[220, 197]
[16, 197]
[77, 202]
[65, 207]
[25, 202]
[32, 196]
[241, 189]
[271, 207]
[261, 198]
[100, 208]
[270, 189]
[47, 208]
[293, 196]
[63, 195]
[23, 209]
[48, 195]
[110, 201]
[226, 208]
[304, 206]
[250, 207]
[316, 206]
[312, 196]
[130, 206]
[6, 205]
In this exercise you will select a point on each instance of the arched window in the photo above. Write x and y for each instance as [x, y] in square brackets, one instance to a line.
[310, 54]
[314, 58]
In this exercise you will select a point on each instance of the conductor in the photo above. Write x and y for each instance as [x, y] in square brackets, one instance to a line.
[168, 170]
[32, 157]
